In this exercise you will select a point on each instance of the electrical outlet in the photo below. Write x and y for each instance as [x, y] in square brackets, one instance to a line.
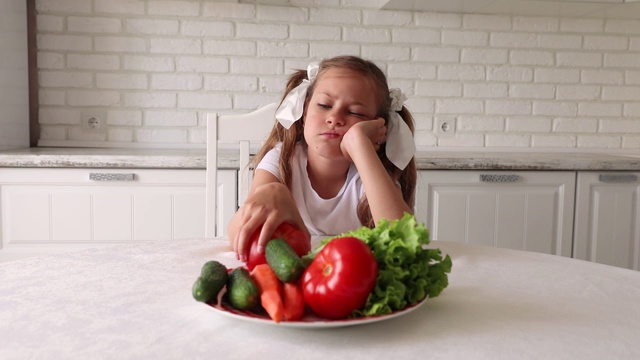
[92, 121]
[445, 126]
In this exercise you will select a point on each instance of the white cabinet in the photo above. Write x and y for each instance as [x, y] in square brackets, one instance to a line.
[53, 210]
[519, 210]
[49, 210]
[607, 226]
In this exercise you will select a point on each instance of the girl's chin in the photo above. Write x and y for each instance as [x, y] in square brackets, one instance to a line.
[327, 152]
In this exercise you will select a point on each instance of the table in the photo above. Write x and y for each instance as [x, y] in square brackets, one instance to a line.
[134, 302]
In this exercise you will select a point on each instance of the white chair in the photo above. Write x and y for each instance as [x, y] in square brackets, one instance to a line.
[245, 132]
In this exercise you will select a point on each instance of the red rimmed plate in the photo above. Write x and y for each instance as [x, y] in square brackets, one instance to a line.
[309, 321]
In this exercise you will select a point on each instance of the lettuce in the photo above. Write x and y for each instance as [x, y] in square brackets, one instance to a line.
[407, 271]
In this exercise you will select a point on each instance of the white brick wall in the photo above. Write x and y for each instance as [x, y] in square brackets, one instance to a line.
[152, 69]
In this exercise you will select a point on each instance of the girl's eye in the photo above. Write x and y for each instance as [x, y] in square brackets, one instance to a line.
[323, 106]
[356, 114]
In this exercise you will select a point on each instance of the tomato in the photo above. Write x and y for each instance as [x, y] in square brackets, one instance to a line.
[298, 240]
[340, 278]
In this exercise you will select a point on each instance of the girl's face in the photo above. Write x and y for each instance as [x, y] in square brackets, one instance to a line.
[340, 99]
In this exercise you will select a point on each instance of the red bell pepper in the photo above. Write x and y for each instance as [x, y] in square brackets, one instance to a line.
[293, 301]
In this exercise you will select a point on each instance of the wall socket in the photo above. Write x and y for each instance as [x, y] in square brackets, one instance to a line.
[92, 121]
[445, 126]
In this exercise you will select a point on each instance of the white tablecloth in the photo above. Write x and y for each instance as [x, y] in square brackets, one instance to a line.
[134, 302]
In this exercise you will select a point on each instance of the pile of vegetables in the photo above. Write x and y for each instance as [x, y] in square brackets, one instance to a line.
[365, 272]
[407, 270]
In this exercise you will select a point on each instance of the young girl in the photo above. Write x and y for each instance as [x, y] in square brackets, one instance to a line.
[339, 157]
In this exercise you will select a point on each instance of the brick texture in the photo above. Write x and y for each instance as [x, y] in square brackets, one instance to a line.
[153, 68]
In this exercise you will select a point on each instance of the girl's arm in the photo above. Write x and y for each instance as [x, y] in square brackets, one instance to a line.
[269, 204]
[359, 145]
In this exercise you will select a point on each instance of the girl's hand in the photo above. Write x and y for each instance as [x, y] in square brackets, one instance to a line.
[372, 132]
[360, 145]
[268, 206]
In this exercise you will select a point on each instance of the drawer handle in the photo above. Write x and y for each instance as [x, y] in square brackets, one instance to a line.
[499, 178]
[618, 178]
[111, 177]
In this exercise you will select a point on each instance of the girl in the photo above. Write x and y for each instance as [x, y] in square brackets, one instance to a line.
[339, 157]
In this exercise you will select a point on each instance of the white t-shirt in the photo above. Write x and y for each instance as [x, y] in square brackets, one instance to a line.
[321, 216]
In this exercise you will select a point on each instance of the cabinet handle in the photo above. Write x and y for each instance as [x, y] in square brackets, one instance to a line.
[499, 178]
[111, 177]
[618, 178]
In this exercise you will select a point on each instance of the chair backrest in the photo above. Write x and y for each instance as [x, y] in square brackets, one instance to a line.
[245, 132]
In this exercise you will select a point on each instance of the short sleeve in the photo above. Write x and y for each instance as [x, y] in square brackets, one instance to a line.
[270, 161]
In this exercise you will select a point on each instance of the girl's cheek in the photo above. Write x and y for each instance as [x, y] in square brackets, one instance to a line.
[305, 134]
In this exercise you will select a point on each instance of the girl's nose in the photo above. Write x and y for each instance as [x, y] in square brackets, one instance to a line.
[335, 118]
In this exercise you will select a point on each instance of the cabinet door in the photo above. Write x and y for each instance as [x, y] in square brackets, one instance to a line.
[607, 227]
[518, 210]
[51, 210]
[54, 213]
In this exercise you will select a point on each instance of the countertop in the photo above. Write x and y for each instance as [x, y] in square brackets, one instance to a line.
[426, 159]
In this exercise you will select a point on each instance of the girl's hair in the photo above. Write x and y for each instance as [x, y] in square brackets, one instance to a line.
[290, 137]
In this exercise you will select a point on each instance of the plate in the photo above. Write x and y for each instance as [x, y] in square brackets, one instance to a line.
[309, 321]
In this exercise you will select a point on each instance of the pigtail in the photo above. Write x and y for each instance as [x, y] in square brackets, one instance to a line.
[408, 176]
[405, 178]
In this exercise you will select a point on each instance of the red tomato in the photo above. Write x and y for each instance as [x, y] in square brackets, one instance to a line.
[298, 240]
[340, 278]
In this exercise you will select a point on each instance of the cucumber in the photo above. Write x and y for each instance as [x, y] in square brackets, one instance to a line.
[212, 267]
[284, 261]
[213, 277]
[242, 292]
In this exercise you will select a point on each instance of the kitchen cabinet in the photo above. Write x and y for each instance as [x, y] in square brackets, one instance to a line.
[54, 210]
[589, 215]
[525, 210]
[607, 222]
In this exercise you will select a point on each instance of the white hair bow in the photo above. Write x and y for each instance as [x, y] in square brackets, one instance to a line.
[292, 106]
[400, 146]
